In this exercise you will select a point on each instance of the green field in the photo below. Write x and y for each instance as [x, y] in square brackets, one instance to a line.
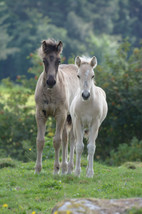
[23, 192]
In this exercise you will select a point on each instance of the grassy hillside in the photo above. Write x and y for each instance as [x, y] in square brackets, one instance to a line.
[22, 192]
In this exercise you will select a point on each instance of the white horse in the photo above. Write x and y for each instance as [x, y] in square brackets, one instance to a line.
[88, 110]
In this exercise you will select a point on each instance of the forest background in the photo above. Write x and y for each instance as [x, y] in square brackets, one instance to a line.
[111, 30]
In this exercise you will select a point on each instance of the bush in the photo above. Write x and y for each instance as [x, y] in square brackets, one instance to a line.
[121, 79]
[17, 123]
[125, 153]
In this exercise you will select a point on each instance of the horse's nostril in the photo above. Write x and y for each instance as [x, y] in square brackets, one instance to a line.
[85, 95]
[51, 82]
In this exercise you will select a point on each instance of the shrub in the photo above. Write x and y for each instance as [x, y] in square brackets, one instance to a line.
[17, 123]
[125, 153]
[121, 79]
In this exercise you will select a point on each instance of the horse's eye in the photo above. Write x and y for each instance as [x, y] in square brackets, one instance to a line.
[93, 77]
[45, 61]
[58, 61]
[78, 76]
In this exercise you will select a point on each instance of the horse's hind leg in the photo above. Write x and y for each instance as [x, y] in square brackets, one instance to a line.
[72, 147]
[41, 125]
[64, 150]
[60, 121]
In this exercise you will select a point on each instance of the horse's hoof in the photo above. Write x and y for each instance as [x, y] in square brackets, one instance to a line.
[70, 168]
[90, 173]
[64, 168]
[77, 172]
[56, 170]
[38, 169]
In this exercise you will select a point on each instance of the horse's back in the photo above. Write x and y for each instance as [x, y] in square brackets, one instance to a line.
[68, 69]
[69, 72]
[102, 102]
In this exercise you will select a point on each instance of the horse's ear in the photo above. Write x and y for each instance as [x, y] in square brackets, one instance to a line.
[44, 45]
[60, 47]
[93, 62]
[78, 61]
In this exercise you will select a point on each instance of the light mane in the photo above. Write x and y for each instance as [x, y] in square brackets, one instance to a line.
[85, 60]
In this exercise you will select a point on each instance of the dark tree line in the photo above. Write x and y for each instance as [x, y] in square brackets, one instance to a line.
[90, 27]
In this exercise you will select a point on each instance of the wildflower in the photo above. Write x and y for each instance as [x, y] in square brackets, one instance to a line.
[33, 212]
[5, 205]
[18, 77]
[56, 212]
[68, 212]
[30, 149]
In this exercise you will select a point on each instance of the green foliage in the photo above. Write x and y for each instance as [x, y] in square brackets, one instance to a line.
[17, 123]
[126, 152]
[134, 210]
[7, 162]
[85, 27]
[121, 78]
[21, 191]
[5, 38]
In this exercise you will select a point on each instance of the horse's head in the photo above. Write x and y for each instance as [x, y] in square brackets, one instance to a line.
[50, 53]
[85, 74]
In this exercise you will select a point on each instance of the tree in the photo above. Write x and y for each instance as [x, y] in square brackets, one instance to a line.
[5, 38]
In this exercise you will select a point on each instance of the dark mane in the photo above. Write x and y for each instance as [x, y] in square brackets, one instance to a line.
[49, 46]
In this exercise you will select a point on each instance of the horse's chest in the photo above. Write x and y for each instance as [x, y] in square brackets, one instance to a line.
[53, 106]
[87, 113]
[86, 120]
[50, 108]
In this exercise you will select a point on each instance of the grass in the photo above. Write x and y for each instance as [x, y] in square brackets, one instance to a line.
[22, 192]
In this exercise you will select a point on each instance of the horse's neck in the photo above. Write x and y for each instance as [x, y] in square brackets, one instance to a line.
[44, 80]
[57, 90]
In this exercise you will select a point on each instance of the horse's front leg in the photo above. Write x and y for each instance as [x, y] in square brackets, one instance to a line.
[93, 133]
[57, 140]
[79, 145]
[41, 126]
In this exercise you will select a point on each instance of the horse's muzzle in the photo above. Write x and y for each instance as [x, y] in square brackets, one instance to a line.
[85, 95]
[51, 82]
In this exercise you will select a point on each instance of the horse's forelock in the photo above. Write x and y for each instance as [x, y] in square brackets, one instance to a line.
[85, 60]
[47, 47]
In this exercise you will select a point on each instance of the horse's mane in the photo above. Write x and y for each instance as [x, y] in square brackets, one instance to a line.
[48, 46]
[85, 60]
